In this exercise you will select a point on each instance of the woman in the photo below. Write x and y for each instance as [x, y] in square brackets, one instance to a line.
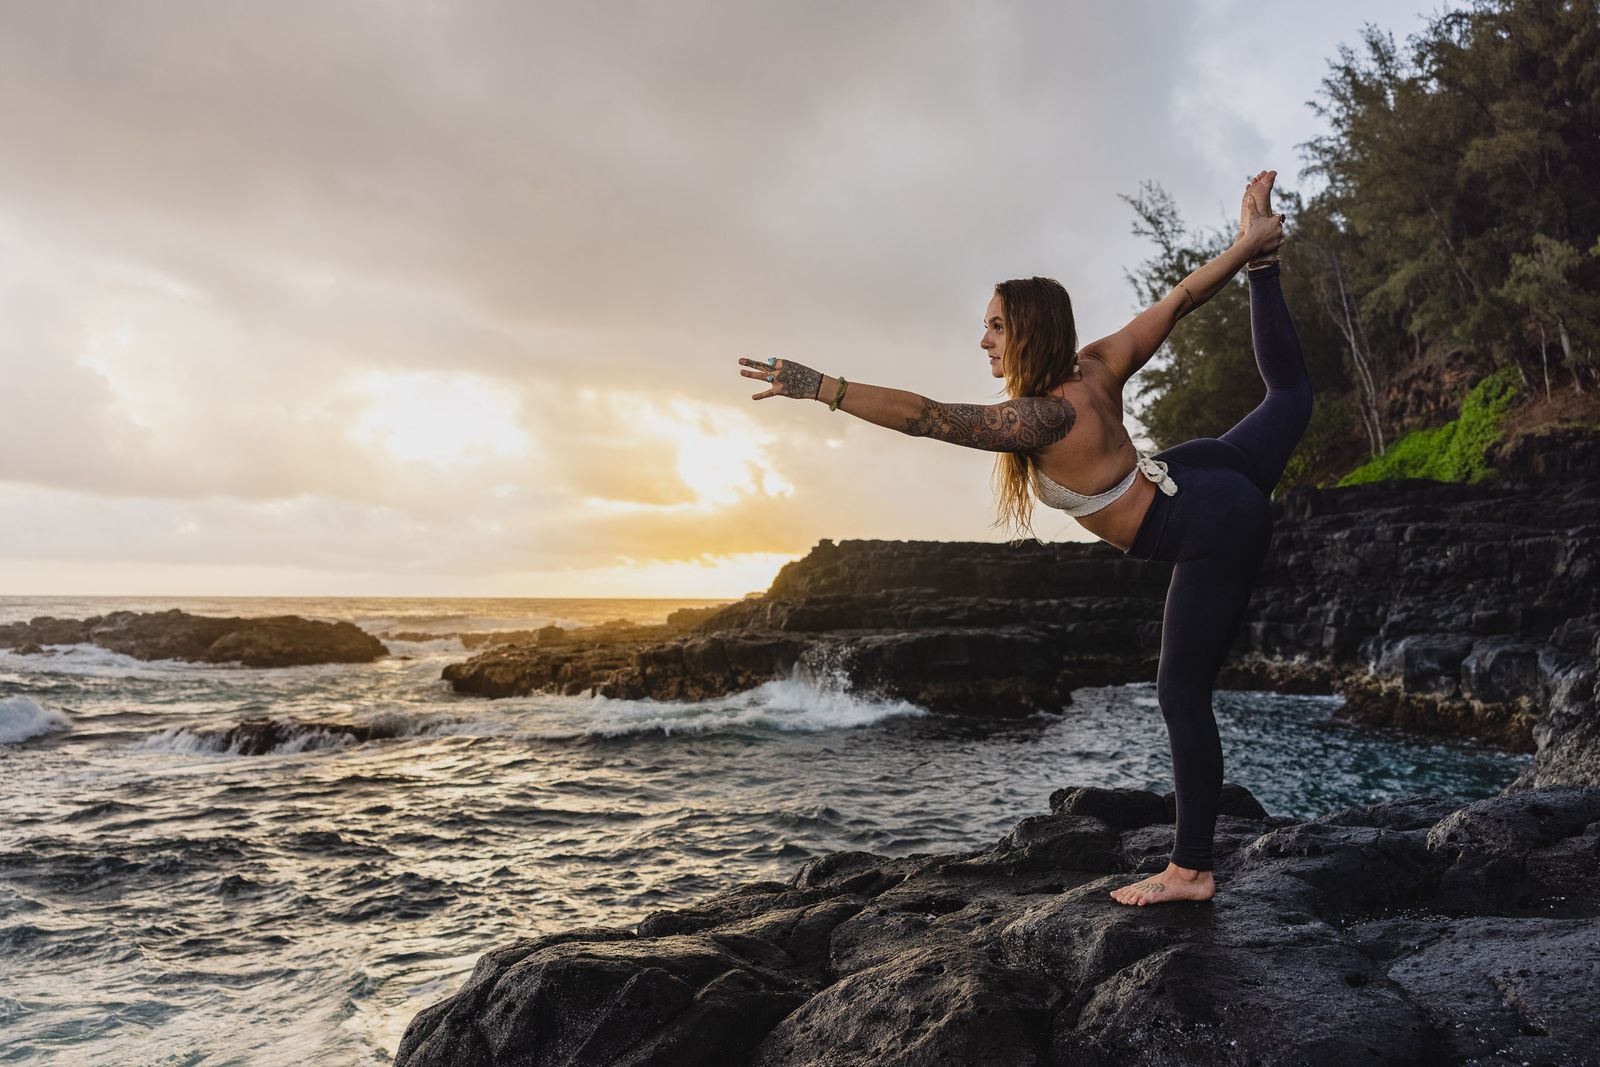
[1201, 505]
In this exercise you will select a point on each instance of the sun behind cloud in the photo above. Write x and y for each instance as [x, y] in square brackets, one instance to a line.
[721, 455]
[452, 421]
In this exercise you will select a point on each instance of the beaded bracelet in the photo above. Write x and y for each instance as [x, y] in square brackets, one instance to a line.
[837, 397]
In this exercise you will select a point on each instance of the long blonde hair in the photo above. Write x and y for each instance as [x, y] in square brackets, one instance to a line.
[1041, 352]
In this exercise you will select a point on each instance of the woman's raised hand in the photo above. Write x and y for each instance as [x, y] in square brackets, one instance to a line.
[788, 378]
[1260, 230]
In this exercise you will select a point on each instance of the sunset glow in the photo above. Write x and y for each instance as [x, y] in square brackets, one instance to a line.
[451, 421]
[468, 310]
[721, 455]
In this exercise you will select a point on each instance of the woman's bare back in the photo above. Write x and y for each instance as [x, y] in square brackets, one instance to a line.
[1098, 453]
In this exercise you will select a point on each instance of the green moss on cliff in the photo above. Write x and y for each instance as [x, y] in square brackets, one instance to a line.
[1455, 451]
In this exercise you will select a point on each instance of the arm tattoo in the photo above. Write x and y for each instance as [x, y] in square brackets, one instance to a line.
[1019, 425]
[798, 380]
[1191, 305]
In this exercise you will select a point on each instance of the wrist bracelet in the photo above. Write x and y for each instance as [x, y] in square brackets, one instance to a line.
[834, 406]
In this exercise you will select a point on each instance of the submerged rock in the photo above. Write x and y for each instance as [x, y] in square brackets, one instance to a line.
[1418, 930]
[275, 641]
[261, 736]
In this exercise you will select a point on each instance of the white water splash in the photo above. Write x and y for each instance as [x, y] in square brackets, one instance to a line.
[22, 718]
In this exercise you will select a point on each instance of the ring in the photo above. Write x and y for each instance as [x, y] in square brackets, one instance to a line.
[772, 361]
[769, 377]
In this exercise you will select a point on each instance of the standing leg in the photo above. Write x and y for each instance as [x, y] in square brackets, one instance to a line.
[1204, 608]
[1268, 434]
[1206, 603]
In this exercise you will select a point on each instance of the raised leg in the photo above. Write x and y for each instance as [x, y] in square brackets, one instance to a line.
[1210, 452]
[1269, 434]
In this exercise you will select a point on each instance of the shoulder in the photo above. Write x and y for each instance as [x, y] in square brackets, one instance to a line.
[1054, 408]
[1098, 374]
[1093, 364]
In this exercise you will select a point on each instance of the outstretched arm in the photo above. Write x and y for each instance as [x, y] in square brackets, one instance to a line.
[1131, 347]
[1022, 424]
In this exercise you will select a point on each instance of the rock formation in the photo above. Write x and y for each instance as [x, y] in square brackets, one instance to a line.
[1412, 931]
[1454, 610]
[276, 641]
[1419, 930]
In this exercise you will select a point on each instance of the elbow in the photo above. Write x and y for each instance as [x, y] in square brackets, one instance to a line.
[920, 418]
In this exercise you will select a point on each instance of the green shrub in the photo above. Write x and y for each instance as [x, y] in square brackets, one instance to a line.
[1455, 451]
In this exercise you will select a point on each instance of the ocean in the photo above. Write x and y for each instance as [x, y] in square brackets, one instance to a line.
[165, 899]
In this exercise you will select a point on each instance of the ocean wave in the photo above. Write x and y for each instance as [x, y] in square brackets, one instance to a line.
[22, 718]
[94, 661]
[460, 622]
[91, 661]
[441, 646]
[286, 737]
[800, 703]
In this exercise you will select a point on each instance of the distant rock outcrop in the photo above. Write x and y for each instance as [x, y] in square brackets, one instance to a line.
[275, 641]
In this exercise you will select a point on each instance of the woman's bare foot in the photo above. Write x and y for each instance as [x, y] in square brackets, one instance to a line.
[1174, 883]
[1257, 223]
[1255, 200]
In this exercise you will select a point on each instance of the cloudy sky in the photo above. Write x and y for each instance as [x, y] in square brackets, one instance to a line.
[444, 298]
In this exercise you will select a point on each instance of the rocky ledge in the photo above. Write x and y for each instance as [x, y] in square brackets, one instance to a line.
[1413, 931]
[1454, 610]
[276, 641]
[1419, 930]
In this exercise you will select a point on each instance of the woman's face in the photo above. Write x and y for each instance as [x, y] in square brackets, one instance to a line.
[994, 335]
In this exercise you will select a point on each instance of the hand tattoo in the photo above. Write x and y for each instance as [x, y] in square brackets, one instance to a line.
[1019, 425]
[797, 380]
[787, 378]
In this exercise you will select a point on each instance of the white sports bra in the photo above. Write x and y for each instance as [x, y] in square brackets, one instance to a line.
[1075, 504]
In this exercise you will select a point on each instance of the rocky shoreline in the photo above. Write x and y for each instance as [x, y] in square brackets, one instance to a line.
[1452, 610]
[275, 641]
[1418, 930]
[1413, 931]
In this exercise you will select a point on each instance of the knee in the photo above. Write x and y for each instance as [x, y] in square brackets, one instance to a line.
[1303, 401]
[1185, 702]
[1294, 401]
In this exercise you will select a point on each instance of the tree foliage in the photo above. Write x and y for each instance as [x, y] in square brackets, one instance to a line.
[1454, 213]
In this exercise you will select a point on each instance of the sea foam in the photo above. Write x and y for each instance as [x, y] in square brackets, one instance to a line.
[23, 717]
[803, 702]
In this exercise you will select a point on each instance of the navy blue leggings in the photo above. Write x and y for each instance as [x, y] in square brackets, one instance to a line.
[1215, 531]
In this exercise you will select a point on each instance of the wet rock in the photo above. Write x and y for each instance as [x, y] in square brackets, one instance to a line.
[1126, 809]
[1426, 661]
[1419, 930]
[1489, 985]
[1501, 670]
[259, 737]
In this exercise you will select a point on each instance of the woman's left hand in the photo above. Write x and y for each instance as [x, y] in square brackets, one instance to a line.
[788, 378]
